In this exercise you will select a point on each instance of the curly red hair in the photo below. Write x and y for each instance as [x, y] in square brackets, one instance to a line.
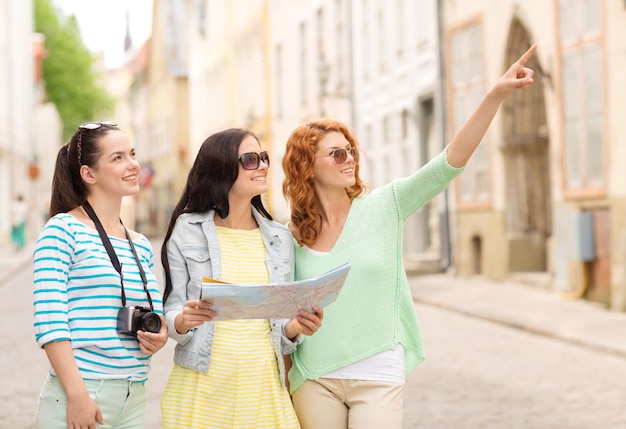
[298, 185]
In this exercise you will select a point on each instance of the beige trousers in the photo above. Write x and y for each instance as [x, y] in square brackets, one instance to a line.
[332, 403]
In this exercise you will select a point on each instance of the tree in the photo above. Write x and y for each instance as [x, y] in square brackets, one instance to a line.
[70, 78]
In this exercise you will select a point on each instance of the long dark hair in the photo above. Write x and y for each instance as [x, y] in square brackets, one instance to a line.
[68, 189]
[211, 177]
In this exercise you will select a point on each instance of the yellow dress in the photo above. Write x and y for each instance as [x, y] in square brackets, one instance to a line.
[242, 389]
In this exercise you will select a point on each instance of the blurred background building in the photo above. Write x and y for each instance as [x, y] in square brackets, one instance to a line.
[543, 199]
[29, 126]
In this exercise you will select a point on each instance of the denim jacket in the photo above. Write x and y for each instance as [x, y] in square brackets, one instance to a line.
[193, 252]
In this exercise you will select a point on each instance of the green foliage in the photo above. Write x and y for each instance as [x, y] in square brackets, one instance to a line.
[71, 82]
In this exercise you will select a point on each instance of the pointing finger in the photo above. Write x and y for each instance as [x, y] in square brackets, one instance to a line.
[529, 53]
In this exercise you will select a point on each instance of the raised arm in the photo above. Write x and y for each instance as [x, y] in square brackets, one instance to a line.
[469, 136]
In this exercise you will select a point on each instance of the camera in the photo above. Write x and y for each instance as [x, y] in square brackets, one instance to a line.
[133, 319]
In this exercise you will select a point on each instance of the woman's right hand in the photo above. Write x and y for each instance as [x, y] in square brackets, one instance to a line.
[83, 412]
[195, 313]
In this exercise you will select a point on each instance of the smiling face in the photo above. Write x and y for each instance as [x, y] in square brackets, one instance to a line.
[329, 174]
[117, 171]
[249, 183]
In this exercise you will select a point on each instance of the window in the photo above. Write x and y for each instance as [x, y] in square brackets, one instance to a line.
[279, 81]
[201, 16]
[467, 89]
[341, 42]
[386, 131]
[366, 139]
[366, 42]
[323, 68]
[367, 146]
[400, 26]
[382, 36]
[303, 65]
[426, 25]
[583, 100]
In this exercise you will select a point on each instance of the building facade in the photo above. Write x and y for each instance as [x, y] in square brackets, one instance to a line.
[543, 196]
[311, 68]
[30, 131]
[397, 106]
[164, 130]
[546, 192]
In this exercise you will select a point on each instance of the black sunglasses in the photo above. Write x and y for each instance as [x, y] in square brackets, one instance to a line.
[340, 155]
[252, 160]
[96, 125]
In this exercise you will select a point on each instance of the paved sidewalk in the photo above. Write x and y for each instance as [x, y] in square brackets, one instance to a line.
[524, 307]
[12, 260]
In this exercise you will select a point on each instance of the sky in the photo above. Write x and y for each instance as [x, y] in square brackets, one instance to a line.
[103, 24]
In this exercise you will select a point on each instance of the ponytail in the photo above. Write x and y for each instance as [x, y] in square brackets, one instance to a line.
[68, 189]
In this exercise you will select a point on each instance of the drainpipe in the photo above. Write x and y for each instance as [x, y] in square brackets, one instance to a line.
[351, 72]
[444, 214]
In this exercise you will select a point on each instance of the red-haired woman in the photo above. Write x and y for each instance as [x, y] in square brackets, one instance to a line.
[354, 367]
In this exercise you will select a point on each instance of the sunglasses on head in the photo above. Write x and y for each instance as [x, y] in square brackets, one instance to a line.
[340, 155]
[96, 125]
[79, 141]
[252, 160]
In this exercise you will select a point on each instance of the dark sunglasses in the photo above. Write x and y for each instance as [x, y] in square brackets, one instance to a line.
[252, 160]
[96, 125]
[340, 155]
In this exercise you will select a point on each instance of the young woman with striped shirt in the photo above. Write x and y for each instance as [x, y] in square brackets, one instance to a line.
[93, 286]
[231, 373]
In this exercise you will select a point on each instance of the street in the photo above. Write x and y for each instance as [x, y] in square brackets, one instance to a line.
[477, 374]
[483, 375]
[24, 366]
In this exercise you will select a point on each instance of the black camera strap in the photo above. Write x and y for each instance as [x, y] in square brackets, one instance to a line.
[113, 256]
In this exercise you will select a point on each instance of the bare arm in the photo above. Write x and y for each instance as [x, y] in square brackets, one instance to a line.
[82, 411]
[469, 136]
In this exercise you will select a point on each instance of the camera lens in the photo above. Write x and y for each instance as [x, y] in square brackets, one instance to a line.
[151, 322]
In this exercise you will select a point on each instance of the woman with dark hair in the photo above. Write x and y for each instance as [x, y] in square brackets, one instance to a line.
[97, 304]
[227, 373]
[354, 368]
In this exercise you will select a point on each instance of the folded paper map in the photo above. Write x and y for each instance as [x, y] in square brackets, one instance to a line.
[273, 300]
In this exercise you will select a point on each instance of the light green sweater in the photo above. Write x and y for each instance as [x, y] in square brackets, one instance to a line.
[374, 310]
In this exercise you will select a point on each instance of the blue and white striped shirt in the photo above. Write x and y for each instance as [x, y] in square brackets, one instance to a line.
[77, 296]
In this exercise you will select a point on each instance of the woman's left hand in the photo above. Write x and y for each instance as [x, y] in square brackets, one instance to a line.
[306, 323]
[152, 342]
